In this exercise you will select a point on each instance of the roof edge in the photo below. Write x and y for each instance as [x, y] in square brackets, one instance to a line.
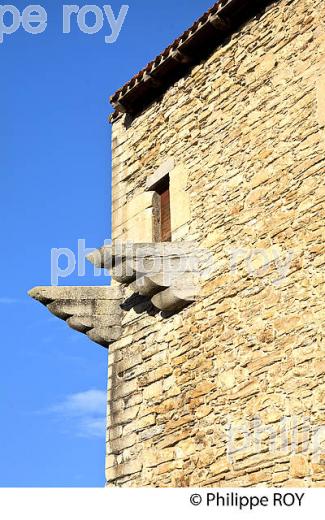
[196, 43]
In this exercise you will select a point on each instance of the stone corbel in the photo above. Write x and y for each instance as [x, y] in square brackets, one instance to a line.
[119, 107]
[176, 297]
[221, 24]
[94, 311]
[181, 57]
[166, 273]
[154, 81]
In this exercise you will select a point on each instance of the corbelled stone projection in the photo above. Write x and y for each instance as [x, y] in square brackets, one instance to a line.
[167, 273]
[94, 311]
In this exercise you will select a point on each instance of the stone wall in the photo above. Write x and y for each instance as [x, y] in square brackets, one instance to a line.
[248, 127]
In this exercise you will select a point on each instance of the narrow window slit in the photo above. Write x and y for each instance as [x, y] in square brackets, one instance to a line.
[162, 218]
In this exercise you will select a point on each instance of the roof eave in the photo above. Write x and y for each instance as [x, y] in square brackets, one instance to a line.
[178, 59]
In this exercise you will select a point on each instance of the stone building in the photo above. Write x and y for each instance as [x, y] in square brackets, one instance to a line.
[216, 357]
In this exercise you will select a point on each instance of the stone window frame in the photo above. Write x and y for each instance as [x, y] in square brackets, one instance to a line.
[135, 220]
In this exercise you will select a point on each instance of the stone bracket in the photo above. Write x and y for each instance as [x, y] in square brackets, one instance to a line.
[167, 273]
[94, 311]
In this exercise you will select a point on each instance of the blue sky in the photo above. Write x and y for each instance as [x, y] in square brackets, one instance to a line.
[55, 189]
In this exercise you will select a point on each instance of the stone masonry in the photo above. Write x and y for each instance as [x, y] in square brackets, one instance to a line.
[227, 388]
[244, 135]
